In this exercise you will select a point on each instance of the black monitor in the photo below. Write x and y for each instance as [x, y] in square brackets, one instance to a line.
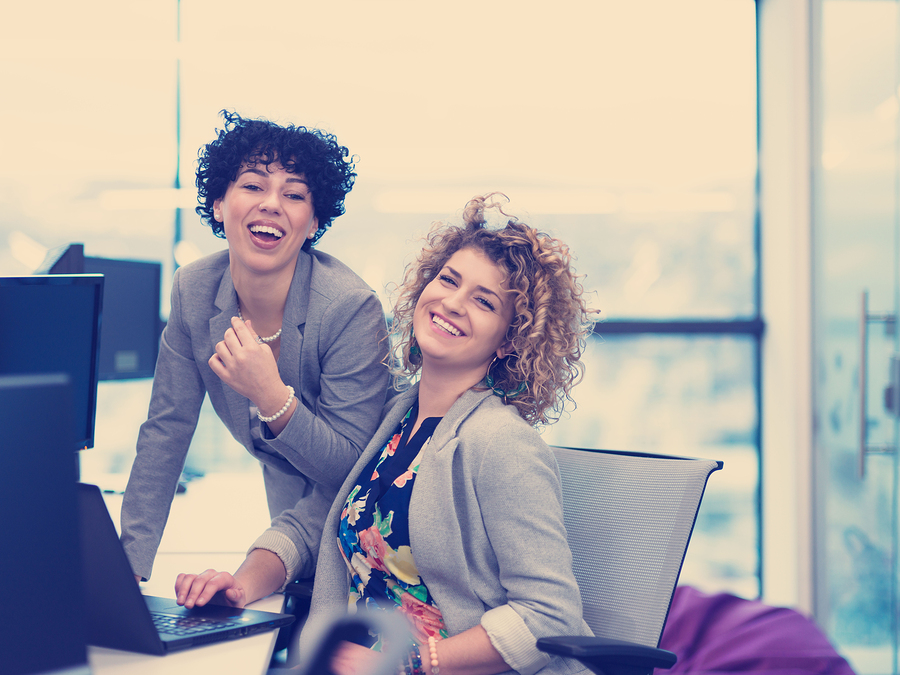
[41, 625]
[51, 324]
[129, 339]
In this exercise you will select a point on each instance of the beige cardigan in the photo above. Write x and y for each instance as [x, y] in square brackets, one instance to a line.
[486, 529]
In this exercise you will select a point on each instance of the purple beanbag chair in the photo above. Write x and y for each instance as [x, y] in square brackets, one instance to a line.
[723, 633]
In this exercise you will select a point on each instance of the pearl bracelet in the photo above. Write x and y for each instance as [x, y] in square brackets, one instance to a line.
[414, 659]
[432, 649]
[272, 418]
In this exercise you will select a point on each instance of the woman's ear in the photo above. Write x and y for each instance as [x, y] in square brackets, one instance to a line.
[313, 228]
[217, 210]
[505, 350]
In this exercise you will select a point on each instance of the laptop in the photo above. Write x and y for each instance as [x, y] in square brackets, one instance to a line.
[119, 616]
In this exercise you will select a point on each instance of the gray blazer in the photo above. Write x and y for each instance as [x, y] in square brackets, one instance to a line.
[331, 353]
[486, 530]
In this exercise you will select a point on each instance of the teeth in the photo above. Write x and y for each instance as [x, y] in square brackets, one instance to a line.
[270, 230]
[446, 326]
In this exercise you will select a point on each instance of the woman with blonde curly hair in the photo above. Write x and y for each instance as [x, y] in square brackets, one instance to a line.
[453, 515]
[540, 364]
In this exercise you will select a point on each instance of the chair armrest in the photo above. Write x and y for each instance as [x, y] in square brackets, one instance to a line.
[301, 588]
[608, 656]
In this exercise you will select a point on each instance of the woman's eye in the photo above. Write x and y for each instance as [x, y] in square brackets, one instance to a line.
[297, 197]
[486, 303]
[447, 280]
[251, 186]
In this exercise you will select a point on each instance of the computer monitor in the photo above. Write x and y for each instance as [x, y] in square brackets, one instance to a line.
[129, 338]
[41, 625]
[51, 324]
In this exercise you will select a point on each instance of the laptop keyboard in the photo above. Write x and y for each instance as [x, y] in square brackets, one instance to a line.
[186, 625]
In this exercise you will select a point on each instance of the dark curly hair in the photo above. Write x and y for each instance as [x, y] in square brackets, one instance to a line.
[550, 322]
[327, 166]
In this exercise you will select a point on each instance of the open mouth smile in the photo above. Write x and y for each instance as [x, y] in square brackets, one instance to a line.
[446, 326]
[266, 232]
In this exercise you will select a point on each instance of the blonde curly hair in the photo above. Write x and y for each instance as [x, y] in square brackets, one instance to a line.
[550, 320]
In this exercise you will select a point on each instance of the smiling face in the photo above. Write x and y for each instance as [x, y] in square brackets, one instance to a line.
[462, 316]
[267, 214]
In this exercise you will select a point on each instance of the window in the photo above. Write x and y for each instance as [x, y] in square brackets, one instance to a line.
[626, 129]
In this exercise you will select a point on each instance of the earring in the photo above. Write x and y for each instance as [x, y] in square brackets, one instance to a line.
[413, 345]
[492, 384]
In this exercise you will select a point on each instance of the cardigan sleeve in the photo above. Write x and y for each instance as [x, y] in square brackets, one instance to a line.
[520, 497]
[295, 536]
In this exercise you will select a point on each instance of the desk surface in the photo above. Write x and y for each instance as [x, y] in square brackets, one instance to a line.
[219, 513]
[211, 525]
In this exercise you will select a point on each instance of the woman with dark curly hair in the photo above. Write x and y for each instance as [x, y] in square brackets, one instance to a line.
[287, 342]
[453, 514]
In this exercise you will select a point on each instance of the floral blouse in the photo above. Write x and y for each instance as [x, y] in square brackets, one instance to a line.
[374, 534]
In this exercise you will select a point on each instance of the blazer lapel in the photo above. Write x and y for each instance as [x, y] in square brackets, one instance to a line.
[238, 406]
[448, 428]
[294, 320]
[291, 336]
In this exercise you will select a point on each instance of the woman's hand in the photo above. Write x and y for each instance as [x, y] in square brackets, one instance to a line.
[353, 659]
[195, 590]
[261, 574]
[249, 367]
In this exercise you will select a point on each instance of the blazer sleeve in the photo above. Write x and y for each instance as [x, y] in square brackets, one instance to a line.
[323, 441]
[163, 442]
[295, 536]
[520, 495]
[299, 546]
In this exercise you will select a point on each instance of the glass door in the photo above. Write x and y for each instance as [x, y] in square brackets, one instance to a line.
[855, 243]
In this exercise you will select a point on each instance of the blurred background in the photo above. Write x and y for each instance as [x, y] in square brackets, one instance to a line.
[631, 130]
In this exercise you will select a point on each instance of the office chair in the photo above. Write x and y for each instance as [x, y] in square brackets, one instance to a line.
[629, 518]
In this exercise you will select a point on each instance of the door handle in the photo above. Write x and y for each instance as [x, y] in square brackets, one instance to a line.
[890, 321]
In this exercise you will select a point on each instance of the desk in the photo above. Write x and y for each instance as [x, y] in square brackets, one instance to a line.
[211, 525]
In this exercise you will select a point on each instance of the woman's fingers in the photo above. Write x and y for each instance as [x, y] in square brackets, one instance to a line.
[247, 366]
[244, 332]
[196, 590]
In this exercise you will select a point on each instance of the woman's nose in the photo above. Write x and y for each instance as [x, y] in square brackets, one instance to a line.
[454, 302]
[270, 203]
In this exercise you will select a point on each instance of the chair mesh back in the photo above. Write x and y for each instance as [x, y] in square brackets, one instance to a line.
[629, 520]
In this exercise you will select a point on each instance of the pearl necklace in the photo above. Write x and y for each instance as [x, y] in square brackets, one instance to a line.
[260, 338]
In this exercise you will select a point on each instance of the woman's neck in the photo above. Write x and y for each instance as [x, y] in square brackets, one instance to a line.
[261, 298]
[439, 390]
